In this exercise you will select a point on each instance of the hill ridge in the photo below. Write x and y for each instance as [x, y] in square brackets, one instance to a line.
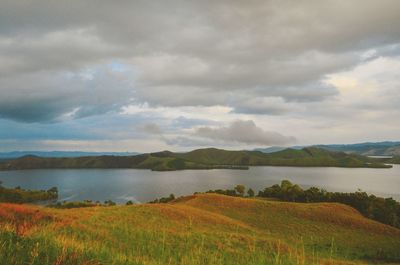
[200, 159]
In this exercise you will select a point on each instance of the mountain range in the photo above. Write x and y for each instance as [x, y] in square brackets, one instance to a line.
[200, 159]
[386, 148]
[16, 154]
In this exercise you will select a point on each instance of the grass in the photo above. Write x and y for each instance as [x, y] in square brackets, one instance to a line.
[198, 229]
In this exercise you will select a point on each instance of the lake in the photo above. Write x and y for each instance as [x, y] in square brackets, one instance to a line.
[138, 185]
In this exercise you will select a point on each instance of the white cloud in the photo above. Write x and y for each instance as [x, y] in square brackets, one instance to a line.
[244, 132]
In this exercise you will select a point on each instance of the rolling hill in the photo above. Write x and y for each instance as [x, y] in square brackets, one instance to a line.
[200, 159]
[386, 148]
[309, 156]
[199, 229]
[368, 149]
[16, 154]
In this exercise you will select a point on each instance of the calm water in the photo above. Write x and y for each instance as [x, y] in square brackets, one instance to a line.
[121, 185]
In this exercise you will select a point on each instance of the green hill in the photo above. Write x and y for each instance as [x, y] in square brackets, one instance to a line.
[369, 149]
[199, 159]
[386, 148]
[199, 229]
[394, 160]
[309, 156]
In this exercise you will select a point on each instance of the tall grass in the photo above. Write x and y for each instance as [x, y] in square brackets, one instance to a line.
[213, 230]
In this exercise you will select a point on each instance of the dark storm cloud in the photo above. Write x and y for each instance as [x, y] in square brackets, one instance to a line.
[184, 53]
[40, 97]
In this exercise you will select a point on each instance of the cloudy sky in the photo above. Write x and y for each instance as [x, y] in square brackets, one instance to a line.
[153, 75]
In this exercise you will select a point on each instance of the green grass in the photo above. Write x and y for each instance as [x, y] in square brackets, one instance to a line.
[200, 229]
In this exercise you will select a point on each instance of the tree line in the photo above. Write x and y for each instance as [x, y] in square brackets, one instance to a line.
[19, 195]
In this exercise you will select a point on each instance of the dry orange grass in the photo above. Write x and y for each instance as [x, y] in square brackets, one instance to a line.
[22, 217]
[328, 213]
[182, 214]
[222, 228]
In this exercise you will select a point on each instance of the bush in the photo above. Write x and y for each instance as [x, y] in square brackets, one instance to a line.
[171, 197]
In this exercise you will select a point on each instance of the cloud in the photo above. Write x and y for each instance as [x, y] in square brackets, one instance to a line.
[263, 105]
[226, 50]
[191, 142]
[287, 66]
[150, 128]
[244, 132]
[41, 97]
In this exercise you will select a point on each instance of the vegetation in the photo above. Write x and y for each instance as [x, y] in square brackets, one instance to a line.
[170, 198]
[73, 204]
[394, 160]
[19, 195]
[80, 204]
[250, 192]
[240, 189]
[209, 158]
[384, 210]
[369, 149]
[198, 229]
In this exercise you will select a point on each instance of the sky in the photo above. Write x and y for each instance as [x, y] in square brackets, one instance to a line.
[145, 76]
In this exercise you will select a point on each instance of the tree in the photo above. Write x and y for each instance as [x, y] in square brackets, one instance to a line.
[286, 185]
[240, 189]
[295, 192]
[129, 203]
[53, 190]
[250, 192]
[274, 191]
[109, 203]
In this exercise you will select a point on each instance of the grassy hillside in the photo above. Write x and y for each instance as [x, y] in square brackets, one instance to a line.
[395, 160]
[386, 148]
[198, 229]
[199, 159]
[368, 149]
[309, 156]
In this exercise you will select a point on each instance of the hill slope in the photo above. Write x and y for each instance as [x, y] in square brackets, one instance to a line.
[199, 229]
[199, 159]
[386, 148]
[368, 149]
[16, 154]
[309, 156]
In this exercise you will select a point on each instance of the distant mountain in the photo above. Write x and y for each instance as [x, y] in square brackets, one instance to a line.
[200, 159]
[309, 156]
[273, 149]
[16, 154]
[368, 149]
